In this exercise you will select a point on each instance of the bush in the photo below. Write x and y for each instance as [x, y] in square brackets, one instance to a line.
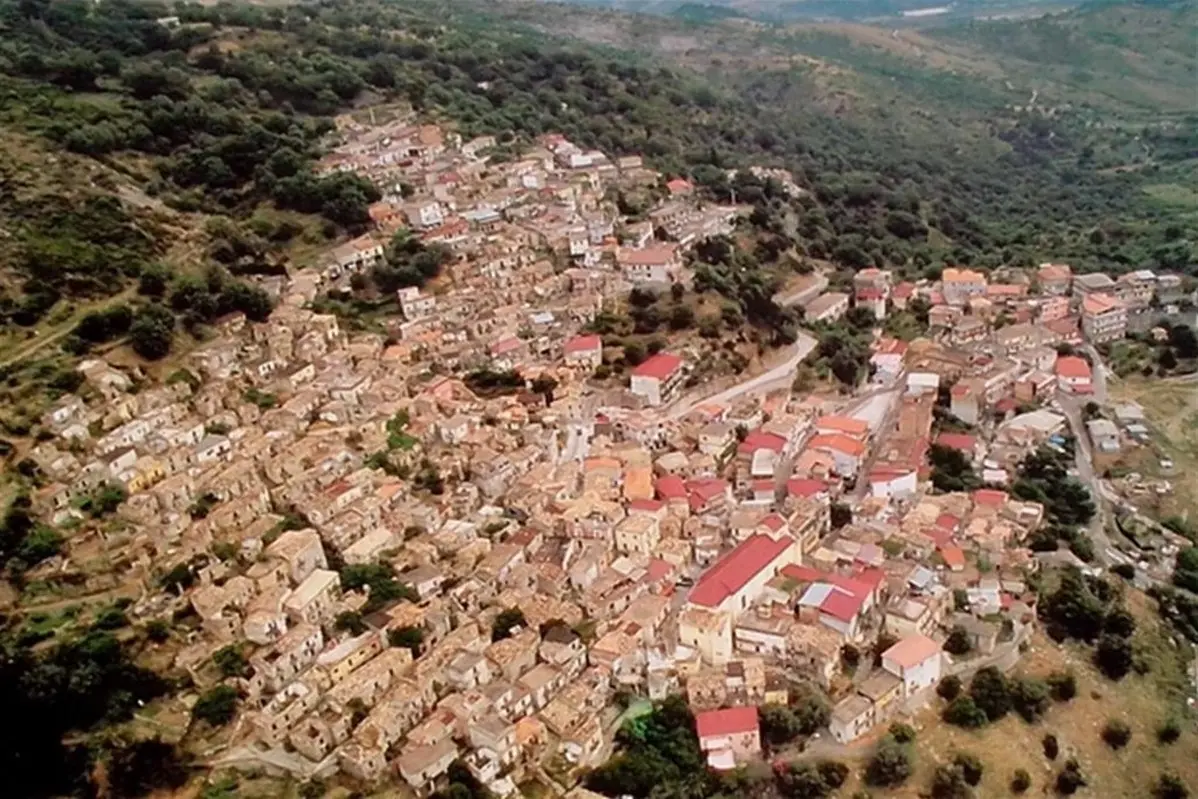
[1063, 685]
[1020, 781]
[949, 783]
[1169, 731]
[901, 732]
[778, 724]
[1070, 778]
[1116, 733]
[1030, 698]
[152, 332]
[958, 642]
[833, 773]
[1113, 656]
[949, 688]
[971, 767]
[890, 764]
[991, 692]
[1170, 786]
[963, 712]
[217, 707]
[1050, 745]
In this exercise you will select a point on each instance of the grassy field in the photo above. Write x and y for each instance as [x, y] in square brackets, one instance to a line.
[1171, 408]
[1144, 702]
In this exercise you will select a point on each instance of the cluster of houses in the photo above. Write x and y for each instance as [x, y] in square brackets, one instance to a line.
[655, 553]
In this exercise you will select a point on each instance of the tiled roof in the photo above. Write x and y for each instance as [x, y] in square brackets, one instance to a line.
[728, 721]
[659, 366]
[734, 570]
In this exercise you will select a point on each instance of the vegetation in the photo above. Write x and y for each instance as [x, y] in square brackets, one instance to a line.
[378, 579]
[217, 706]
[1116, 733]
[889, 765]
[506, 622]
[410, 637]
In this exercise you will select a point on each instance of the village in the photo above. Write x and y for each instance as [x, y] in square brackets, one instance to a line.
[420, 571]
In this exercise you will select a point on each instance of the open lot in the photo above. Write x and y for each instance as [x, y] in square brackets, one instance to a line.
[1171, 408]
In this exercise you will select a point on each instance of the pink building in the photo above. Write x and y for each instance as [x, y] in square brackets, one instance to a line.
[729, 737]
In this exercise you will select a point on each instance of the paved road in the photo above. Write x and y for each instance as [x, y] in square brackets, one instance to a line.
[780, 376]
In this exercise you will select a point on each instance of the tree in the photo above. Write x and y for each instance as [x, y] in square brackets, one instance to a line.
[350, 621]
[231, 662]
[1030, 698]
[216, 707]
[1021, 781]
[1113, 656]
[778, 724]
[801, 781]
[1169, 731]
[1169, 786]
[834, 773]
[152, 331]
[811, 712]
[1116, 733]
[971, 767]
[958, 641]
[890, 764]
[1050, 746]
[948, 782]
[1070, 778]
[840, 515]
[1073, 610]
[505, 622]
[951, 469]
[407, 636]
[949, 688]
[990, 692]
[1063, 685]
[850, 657]
[964, 712]
[144, 767]
[902, 732]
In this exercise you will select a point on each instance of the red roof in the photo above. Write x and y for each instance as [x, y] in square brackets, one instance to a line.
[759, 440]
[842, 605]
[890, 346]
[803, 487]
[840, 443]
[763, 486]
[650, 505]
[947, 521]
[989, 496]
[870, 293]
[871, 576]
[659, 366]
[1073, 366]
[731, 572]
[804, 574]
[912, 651]
[774, 522]
[960, 390]
[728, 721]
[842, 424]
[679, 186]
[659, 570]
[953, 556]
[583, 344]
[851, 584]
[903, 290]
[671, 487]
[960, 441]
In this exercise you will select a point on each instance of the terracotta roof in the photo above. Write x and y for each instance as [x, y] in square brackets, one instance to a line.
[728, 721]
[774, 522]
[953, 275]
[953, 556]
[650, 505]
[947, 521]
[842, 424]
[649, 256]
[758, 440]
[840, 443]
[903, 290]
[679, 186]
[583, 344]
[911, 651]
[1073, 366]
[671, 487]
[959, 441]
[731, 572]
[804, 574]
[841, 604]
[659, 366]
[1100, 303]
[989, 496]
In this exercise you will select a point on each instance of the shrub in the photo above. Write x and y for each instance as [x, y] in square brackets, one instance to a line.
[991, 692]
[971, 767]
[963, 712]
[1170, 786]
[949, 783]
[217, 707]
[890, 764]
[1113, 656]
[901, 732]
[1116, 733]
[1063, 685]
[1070, 778]
[1020, 781]
[1169, 731]
[832, 772]
[1030, 698]
[949, 688]
[1050, 745]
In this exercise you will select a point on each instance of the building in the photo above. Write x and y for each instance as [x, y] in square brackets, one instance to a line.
[658, 378]
[827, 307]
[584, 351]
[1074, 375]
[729, 737]
[1104, 318]
[1136, 289]
[658, 264]
[916, 661]
[1054, 279]
[959, 286]
[736, 579]
[1093, 283]
[1104, 434]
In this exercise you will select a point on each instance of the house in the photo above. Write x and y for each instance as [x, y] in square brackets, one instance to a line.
[1104, 318]
[895, 482]
[1054, 279]
[845, 452]
[314, 600]
[421, 765]
[414, 304]
[959, 286]
[851, 718]
[583, 351]
[1074, 375]
[1104, 434]
[729, 737]
[965, 402]
[916, 661]
[658, 378]
[827, 307]
[736, 579]
[657, 264]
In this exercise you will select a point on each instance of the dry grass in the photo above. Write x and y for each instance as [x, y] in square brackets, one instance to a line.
[1142, 701]
[1171, 408]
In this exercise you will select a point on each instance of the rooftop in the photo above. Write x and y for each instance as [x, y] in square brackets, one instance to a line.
[727, 721]
[660, 366]
[733, 571]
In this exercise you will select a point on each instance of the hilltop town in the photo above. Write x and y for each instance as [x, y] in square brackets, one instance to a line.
[459, 529]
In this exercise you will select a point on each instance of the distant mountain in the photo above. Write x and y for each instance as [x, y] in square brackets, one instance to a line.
[778, 11]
